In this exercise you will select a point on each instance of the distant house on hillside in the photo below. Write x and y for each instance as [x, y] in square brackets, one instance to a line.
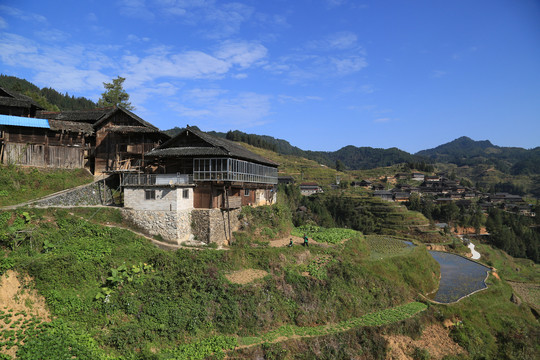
[432, 178]
[362, 183]
[401, 196]
[310, 188]
[285, 180]
[402, 176]
[384, 195]
[418, 176]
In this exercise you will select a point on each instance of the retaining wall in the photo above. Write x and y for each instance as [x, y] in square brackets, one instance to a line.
[97, 193]
[212, 225]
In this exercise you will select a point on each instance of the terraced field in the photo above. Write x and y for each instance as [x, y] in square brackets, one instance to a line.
[383, 246]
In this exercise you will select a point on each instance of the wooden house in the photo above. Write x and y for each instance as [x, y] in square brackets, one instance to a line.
[384, 195]
[15, 104]
[119, 137]
[42, 142]
[221, 173]
[194, 186]
[310, 188]
[402, 196]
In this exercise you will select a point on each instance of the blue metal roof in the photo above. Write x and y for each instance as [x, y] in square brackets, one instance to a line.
[24, 121]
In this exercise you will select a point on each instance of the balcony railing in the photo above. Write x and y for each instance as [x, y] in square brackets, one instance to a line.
[157, 179]
[227, 169]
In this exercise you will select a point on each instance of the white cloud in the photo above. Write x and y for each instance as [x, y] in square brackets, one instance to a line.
[382, 120]
[224, 110]
[3, 23]
[298, 99]
[71, 68]
[52, 35]
[22, 15]
[186, 65]
[243, 54]
[136, 9]
[349, 65]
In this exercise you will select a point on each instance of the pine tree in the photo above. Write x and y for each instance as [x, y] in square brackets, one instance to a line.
[115, 95]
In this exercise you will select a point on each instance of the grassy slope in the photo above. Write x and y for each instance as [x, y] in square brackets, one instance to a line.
[20, 184]
[187, 298]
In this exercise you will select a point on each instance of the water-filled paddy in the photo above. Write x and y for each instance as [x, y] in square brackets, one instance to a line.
[459, 277]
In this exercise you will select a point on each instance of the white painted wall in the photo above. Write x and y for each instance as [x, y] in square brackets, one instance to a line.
[167, 198]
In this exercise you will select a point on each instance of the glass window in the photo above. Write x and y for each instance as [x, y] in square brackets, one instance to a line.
[150, 194]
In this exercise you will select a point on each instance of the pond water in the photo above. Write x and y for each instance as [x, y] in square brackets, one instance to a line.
[459, 277]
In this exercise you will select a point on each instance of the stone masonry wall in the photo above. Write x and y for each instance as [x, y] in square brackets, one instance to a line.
[163, 223]
[212, 225]
[97, 193]
[206, 225]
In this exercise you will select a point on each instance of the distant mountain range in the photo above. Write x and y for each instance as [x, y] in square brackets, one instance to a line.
[465, 151]
[462, 151]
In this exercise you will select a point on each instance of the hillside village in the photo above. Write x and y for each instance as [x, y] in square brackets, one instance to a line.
[167, 183]
[112, 294]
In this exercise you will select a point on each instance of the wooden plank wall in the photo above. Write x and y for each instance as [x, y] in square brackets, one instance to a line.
[44, 155]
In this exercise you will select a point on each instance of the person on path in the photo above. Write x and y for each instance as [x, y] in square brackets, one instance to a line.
[306, 240]
[290, 243]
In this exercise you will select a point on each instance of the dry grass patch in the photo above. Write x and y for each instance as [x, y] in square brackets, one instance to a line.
[434, 339]
[245, 276]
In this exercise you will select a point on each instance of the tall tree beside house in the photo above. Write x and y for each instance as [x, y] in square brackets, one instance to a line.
[115, 95]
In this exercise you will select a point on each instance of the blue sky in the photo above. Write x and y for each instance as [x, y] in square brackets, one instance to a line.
[321, 74]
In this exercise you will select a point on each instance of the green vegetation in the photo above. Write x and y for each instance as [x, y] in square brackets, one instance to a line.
[330, 236]
[183, 298]
[384, 246]
[48, 98]
[115, 95]
[379, 318]
[20, 184]
[263, 223]
[514, 234]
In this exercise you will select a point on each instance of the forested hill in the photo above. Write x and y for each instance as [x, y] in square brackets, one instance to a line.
[351, 157]
[465, 151]
[47, 98]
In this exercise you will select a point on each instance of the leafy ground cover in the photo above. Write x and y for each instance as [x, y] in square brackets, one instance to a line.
[106, 303]
[383, 246]
[320, 234]
[19, 184]
[379, 318]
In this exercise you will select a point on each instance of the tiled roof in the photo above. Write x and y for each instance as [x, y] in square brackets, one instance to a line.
[12, 98]
[71, 126]
[219, 147]
[132, 129]
[187, 151]
[89, 116]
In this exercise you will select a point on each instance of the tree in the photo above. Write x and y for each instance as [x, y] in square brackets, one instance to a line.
[115, 95]
[339, 165]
